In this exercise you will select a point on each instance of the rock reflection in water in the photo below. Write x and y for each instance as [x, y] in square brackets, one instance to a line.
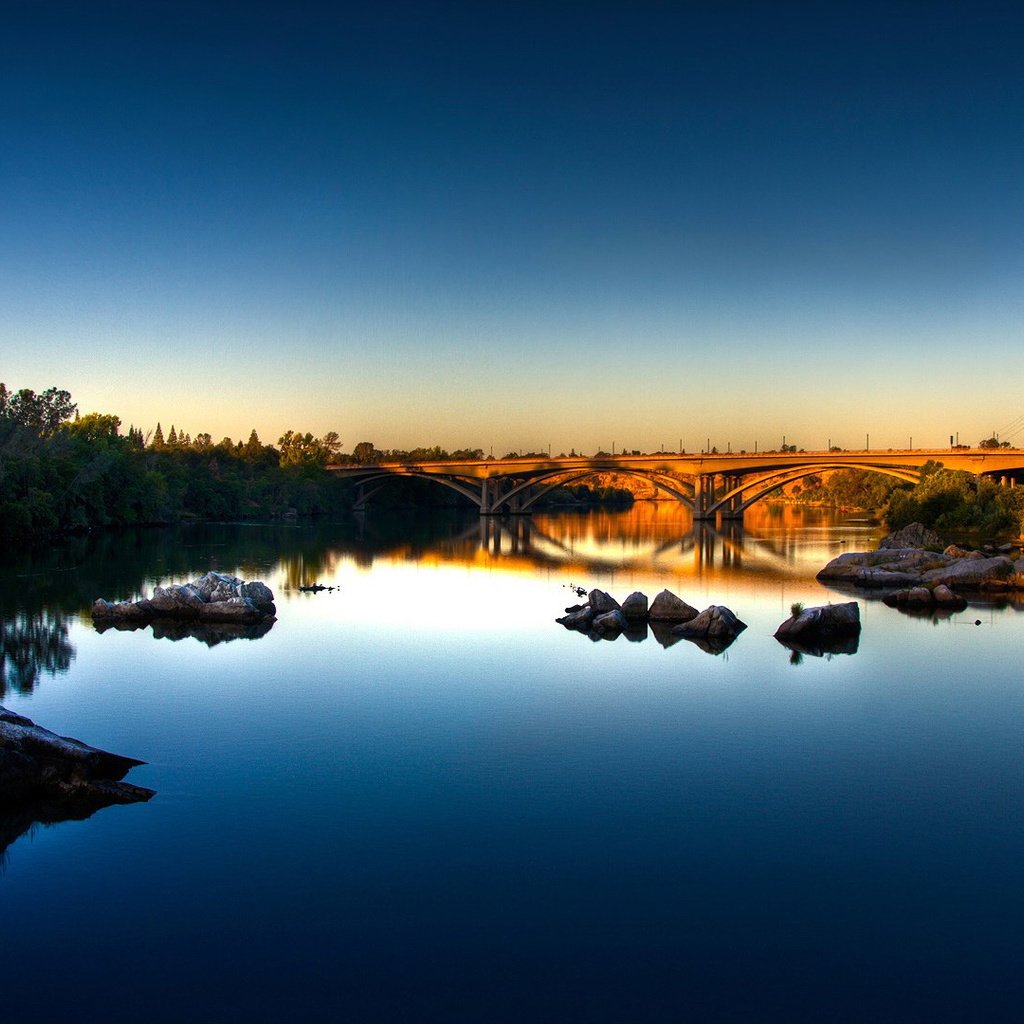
[209, 633]
[822, 648]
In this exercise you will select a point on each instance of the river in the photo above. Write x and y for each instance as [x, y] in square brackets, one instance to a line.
[417, 798]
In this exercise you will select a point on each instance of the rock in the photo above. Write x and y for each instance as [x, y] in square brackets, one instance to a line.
[822, 622]
[913, 536]
[890, 568]
[635, 607]
[609, 622]
[36, 764]
[178, 602]
[579, 618]
[716, 622]
[666, 607]
[216, 586]
[995, 573]
[211, 598]
[945, 598]
[138, 612]
[260, 595]
[602, 602]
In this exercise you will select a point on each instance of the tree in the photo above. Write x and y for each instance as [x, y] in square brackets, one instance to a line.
[330, 444]
[43, 413]
[95, 426]
[252, 449]
[299, 449]
[158, 438]
[365, 452]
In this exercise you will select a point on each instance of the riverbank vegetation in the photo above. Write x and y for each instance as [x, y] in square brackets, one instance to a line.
[945, 500]
[63, 472]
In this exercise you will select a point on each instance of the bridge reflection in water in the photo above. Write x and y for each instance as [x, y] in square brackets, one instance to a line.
[776, 541]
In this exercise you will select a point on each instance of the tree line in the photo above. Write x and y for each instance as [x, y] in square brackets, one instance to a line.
[61, 471]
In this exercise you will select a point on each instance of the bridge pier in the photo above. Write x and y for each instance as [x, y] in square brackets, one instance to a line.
[733, 508]
[703, 495]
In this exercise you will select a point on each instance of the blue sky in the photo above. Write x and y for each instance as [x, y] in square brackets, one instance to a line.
[519, 224]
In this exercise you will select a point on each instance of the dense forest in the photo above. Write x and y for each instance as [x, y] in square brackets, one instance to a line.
[62, 472]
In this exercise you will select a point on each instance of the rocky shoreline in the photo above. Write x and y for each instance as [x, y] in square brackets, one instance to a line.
[916, 570]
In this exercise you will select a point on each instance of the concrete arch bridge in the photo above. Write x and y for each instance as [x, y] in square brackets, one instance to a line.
[709, 485]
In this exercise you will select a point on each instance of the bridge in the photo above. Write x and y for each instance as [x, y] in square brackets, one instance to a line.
[710, 485]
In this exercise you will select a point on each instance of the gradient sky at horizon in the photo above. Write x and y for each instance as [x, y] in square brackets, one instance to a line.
[518, 225]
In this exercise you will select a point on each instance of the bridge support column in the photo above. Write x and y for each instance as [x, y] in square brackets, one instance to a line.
[363, 497]
[732, 509]
[703, 496]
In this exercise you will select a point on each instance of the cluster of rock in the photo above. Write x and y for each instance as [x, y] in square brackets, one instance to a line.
[913, 568]
[669, 616]
[214, 597]
[38, 765]
[926, 598]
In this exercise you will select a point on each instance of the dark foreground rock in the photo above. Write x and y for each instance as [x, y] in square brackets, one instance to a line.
[713, 629]
[813, 627]
[214, 597]
[64, 774]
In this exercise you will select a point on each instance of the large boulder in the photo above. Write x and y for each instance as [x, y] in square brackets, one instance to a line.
[996, 573]
[36, 764]
[666, 607]
[714, 623]
[635, 607]
[890, 568]
[601, 602]
[179, 602]
[822, 622]
[579, 617]
[916, 535]
[608, 623]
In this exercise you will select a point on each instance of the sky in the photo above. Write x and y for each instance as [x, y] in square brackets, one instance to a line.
[519, 225]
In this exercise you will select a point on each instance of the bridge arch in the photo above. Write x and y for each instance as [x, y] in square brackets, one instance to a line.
[452, 482]
[764, 484]
[550, 481]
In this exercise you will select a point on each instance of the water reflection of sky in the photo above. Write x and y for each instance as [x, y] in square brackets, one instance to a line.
[417, 797]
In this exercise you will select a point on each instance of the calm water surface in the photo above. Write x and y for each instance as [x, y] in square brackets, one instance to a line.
[417, 798]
